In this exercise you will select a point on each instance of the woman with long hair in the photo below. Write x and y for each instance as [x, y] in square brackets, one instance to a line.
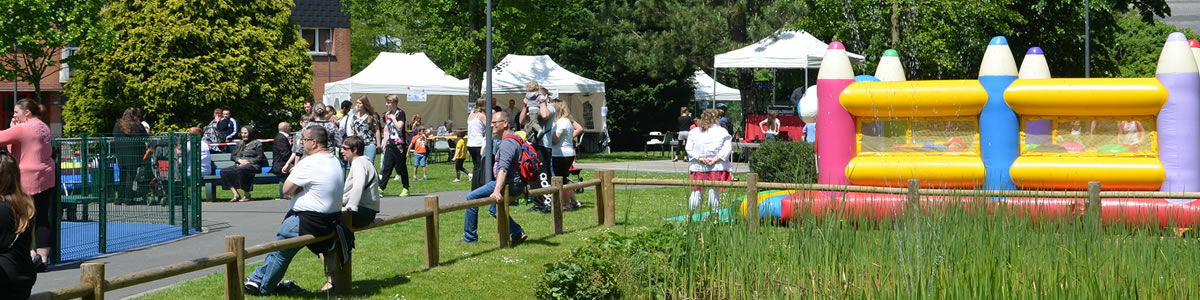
[709, 146]
[28, 139]
[416, 122]
[17, 269]
[562, 152]
[769, 126]
[250, 159]
[476, 140]
[364, 123]
[129, 146]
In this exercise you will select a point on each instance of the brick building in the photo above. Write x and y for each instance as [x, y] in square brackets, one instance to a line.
[322, 24]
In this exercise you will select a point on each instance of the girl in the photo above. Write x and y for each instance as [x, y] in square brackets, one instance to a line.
[708, 146]
[772, 126]
[365, 123]
[17, 270]
[476, 140]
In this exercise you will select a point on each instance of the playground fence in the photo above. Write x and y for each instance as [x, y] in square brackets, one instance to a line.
[118, 193]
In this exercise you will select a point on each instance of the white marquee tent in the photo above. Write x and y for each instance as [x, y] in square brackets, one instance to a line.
[705, 87]
[796, 49]
[584, 96]
[403, 74]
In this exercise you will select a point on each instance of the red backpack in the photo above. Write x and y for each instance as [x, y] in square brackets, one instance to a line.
[528, 166]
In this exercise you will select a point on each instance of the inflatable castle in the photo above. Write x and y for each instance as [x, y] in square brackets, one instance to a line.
[1009, 129]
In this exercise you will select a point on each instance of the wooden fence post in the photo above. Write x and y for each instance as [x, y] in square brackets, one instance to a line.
[502, 229]
[431, 232]
[610, 199]
[556, 217]
[1092, 210]
[600, 197]
[235, 244]
[914, 197]
[752, 200]
[343, 281]
[93, 274]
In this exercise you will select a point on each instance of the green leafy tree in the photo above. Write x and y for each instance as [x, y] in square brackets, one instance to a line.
[945, 38]
[40, 29]
[181, 59]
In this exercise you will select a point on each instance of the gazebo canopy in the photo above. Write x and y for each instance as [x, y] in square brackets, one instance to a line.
[785, 50]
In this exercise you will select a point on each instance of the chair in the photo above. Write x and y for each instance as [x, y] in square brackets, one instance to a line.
[442, 145]
[656, 139]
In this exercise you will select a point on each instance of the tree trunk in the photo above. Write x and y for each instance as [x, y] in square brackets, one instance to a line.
[476, 66]
[896, 25]
[738, 34]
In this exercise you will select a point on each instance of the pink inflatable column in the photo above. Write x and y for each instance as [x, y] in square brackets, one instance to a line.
[835, 126]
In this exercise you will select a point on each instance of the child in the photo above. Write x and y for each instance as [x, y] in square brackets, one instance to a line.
[417, 148]
[460, 155]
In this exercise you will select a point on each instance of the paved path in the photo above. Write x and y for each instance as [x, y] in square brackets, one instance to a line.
[652, 166]
[257, 220]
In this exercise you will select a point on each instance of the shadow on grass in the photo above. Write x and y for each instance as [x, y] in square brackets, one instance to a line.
[374, 286]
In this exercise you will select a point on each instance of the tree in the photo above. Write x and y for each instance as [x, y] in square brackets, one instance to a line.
[453, 32]
[945, 38]
[40, 29]
[181, 59]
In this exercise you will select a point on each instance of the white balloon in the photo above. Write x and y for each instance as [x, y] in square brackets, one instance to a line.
[808, 105]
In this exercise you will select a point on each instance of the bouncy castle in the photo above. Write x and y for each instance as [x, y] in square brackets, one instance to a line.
[1008, 129]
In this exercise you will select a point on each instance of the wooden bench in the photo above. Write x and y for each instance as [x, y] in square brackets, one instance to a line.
[221, 161]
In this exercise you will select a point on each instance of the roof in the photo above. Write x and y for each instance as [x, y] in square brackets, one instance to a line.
[396, 73]
[514, 71]
[783, 50]
[320, 13]
[704, 89]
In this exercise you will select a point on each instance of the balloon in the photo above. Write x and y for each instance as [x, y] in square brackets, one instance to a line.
[808, 105]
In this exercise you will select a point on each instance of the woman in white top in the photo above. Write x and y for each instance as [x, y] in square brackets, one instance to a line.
[475, 140]
[563, 150]
[709, 147]
[770, 126]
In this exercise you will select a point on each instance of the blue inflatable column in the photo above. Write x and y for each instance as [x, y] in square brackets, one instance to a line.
[999, 128]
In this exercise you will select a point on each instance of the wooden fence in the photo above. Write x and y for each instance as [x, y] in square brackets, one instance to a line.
[93, 283]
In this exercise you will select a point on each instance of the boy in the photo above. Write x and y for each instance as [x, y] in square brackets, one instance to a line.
[417, 148]
[460, 155]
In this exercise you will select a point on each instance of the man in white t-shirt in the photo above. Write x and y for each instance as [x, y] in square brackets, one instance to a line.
[315, 187]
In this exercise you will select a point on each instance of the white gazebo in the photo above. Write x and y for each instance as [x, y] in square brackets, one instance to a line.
[584, 97]
[794, 49]
[706, 86]
[423, 88]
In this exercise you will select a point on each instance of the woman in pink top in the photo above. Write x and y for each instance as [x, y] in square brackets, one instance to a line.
[28, 139]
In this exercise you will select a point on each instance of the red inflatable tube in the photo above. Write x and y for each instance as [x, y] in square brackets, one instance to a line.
[1159, 212]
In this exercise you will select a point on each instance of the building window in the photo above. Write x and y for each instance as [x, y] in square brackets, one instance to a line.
[317, 38]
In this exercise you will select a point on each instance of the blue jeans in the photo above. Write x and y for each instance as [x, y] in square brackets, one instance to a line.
[275, 265]
[472, 220]
[418, 160]
[369, 152]
[770, 137]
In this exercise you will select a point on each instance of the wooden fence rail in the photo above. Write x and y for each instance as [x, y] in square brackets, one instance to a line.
[93, 283]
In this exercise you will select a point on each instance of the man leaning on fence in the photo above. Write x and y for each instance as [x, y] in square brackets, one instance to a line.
[508, 155]
[315, 187]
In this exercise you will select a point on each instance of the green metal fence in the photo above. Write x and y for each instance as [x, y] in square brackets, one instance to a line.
[118, 193]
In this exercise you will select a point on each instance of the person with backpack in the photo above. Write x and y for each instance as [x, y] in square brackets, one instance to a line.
[514, 159]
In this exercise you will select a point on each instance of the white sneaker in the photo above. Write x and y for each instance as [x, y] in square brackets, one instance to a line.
[396, 177]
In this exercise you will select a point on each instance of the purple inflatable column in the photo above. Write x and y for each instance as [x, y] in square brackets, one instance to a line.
[1179, 120]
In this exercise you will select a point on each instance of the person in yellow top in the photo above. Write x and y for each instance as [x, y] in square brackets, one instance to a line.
[460, 155]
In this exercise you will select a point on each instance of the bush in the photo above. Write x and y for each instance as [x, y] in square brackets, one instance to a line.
[791, 162]
[612, 266]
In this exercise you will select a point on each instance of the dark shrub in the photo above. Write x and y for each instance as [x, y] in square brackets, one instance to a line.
[791, 162]
[612, 266]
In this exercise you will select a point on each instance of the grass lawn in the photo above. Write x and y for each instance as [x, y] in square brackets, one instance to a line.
[389, 261]
[619, 157]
